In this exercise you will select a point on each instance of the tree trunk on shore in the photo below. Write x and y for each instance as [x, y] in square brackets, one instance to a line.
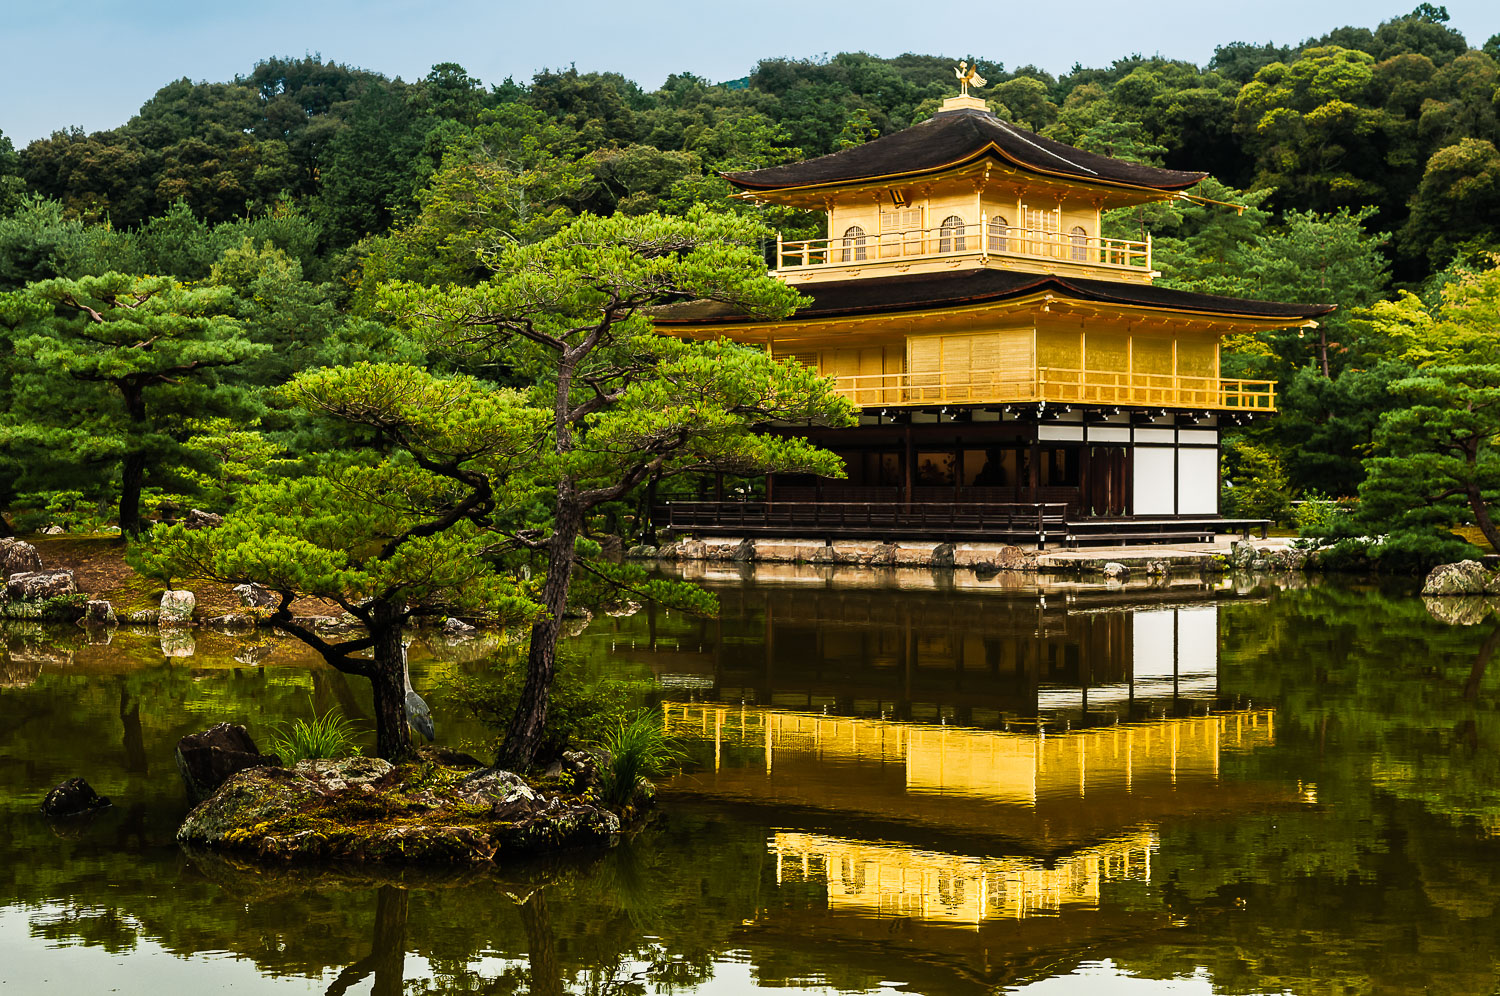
[1482, 516]
[132, 478]
[524, 737]
[388, 681]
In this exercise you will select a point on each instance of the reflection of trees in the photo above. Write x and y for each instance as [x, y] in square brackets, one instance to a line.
[133, 740]
[387, 957]
[1394, 697]
[541, 946]
[1387, 883]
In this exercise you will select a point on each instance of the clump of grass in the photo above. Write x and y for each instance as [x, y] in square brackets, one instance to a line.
[325, 736]
[639, 746]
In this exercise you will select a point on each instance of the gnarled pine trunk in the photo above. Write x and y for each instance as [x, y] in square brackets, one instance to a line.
[388, 681]
[132, 478]
[133, 469]
[1482, 517]
[525, 734]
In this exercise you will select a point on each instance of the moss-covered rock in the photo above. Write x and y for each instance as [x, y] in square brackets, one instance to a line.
[365, 809]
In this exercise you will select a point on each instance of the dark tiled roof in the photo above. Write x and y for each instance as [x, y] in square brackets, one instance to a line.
[954, 138]
[874, 295]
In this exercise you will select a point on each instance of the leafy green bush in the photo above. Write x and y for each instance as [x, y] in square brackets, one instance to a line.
[325, 736]
[1255, 483]
[1412, 551]
[639, 747]
[1319, 515]
[581, 709]
[73, 510]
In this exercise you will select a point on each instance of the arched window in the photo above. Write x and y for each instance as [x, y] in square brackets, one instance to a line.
[951, 234]
[1080, 240]
[999, 231]
[854, 244]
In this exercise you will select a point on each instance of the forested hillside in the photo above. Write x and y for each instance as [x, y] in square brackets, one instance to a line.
[1366, 160]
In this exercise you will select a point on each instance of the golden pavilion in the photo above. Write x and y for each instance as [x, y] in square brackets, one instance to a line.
[1018, 374]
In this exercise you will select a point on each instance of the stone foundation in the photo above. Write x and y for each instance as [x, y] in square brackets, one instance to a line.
[987, 558]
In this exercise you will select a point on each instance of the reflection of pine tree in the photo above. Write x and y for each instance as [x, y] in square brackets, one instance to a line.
[541, 945]
[387, 957]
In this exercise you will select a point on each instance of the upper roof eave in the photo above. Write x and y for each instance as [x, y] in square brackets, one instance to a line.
[930, 292]
[952, 140]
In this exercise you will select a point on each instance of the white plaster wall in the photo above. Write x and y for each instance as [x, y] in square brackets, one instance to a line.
[1064, 432]
[1151, 651]
[1198, 646]
[1198, 481]
[1193, 649]
[1153, 481]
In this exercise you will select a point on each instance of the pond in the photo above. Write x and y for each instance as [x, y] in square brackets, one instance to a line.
[898, 782]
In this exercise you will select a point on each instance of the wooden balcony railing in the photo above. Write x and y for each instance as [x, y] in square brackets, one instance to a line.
[978, 241]
[1054, 384]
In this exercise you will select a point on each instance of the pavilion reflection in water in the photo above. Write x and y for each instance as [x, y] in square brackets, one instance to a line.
[1024, 823]
[984, 659]
[889, 880]
[960, 761]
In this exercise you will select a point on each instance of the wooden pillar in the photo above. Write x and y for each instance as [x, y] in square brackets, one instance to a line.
[1085, 477]
[910, 468]
[1034, 471]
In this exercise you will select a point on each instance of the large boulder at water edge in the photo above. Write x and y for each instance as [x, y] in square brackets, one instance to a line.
[98, 612]
[17, 556]
[37, 586]
[73, 797]
[176, 608]
[1467, 577]
[207, 759]
[365, 809]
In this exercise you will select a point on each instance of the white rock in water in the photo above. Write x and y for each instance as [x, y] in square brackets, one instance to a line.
[176, 608]
[178, 643]
[1467, 577]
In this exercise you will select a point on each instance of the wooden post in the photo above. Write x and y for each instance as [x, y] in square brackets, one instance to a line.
[1034, 472]
[910, 475]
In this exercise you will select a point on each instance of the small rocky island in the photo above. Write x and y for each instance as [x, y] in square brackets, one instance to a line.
[440, 807]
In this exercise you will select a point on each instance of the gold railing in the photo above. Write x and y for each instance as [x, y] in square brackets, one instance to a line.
[1055, 384]
[963, 240]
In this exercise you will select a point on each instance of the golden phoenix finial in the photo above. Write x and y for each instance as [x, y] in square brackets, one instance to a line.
[967, 76]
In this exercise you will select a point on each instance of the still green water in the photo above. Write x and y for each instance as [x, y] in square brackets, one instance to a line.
[898, 783]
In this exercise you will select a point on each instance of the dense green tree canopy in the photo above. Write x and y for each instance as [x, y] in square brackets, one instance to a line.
[1363, 158]
[117, 364]
[625, 406]
[387, 537]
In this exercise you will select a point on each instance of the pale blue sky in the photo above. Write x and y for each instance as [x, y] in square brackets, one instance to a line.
[93, 62]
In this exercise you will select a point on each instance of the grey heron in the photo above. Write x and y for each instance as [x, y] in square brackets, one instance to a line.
[417, 713]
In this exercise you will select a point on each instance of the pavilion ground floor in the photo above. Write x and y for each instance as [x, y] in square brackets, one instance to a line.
[1060, 475]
